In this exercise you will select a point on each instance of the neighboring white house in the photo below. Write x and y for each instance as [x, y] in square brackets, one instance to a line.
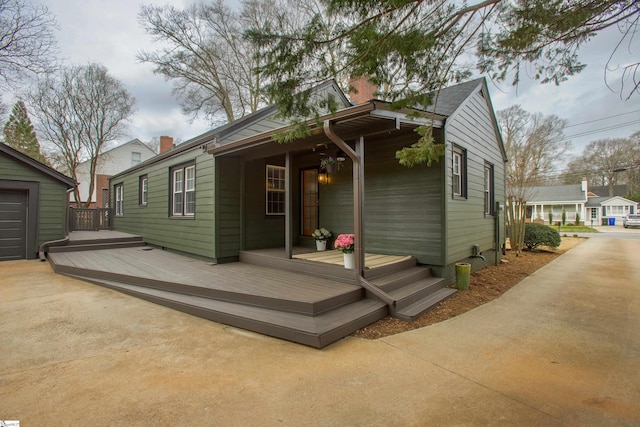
[576, 200]
[110, 163]
[609, 210]
[549, 202]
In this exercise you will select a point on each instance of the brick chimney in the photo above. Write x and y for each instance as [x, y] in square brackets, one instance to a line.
[362, 90]
[166, 143]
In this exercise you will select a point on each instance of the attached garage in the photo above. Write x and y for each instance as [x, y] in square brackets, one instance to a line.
[33, 204]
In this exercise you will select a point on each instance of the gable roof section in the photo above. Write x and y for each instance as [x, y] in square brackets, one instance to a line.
[449, 99]
[119, 147]
[556, 193]
[453, 99]
[228, 129]
[34, 164]
[606, 201]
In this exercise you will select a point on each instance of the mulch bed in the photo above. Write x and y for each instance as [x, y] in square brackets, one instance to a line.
[485, 285]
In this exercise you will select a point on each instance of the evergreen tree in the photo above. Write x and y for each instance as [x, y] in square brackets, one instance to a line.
[19, 133]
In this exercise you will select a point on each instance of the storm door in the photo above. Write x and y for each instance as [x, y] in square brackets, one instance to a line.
[309, 201]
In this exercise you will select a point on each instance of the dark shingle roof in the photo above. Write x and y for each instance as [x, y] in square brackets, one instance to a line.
[556, 193]
[603, 190]
[450, 98]
[594, 202]
[34, 164]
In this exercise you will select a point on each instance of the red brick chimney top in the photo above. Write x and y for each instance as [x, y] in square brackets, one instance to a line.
[362, 90]
[166, 143]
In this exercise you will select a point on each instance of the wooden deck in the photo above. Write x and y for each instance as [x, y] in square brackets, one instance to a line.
[312, 300]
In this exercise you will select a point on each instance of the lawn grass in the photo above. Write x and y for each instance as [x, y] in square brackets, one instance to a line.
[575, 229]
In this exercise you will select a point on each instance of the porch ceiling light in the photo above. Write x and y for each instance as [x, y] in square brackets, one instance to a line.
[323, 178]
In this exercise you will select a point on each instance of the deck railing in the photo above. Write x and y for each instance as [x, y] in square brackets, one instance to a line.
[84, 219]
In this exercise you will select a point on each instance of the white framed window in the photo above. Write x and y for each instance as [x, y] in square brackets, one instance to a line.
[119, 194]
[276, 191]
[489, 195]
[136, 158]
[183, 191]
[459, 172]
[144, 190]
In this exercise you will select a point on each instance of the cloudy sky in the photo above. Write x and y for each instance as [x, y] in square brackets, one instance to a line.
[107, 32]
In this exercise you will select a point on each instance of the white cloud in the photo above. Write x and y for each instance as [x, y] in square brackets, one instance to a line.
[108, 32]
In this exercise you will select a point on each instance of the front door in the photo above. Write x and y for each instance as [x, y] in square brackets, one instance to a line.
[309, 201]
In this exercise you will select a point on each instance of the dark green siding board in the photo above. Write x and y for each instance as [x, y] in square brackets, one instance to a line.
[401, 205]
[228, 212]
[52, 209]
[190, 235]
[336, 201]
[472, 129]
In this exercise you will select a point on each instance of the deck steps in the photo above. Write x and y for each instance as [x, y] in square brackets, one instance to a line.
[95, 244]
[415, 310]
[415, 291]
[315, 331]
[201, 282]
[298, 300]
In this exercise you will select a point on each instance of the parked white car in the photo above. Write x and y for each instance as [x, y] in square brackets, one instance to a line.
[631, 221]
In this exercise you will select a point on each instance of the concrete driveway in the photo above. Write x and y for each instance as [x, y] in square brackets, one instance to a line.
[561, 348]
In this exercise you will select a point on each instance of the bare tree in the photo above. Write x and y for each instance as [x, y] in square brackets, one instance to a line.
[79, 111]
[27, 44]
[203, 51]
[607, 162]
[534, 143]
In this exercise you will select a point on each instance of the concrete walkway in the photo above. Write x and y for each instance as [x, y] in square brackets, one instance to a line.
[561, 348]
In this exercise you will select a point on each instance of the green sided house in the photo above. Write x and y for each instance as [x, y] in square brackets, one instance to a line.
[234, 193]
[33, 204]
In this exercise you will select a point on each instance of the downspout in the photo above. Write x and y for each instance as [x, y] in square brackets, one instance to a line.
[358, 186]
[59, 242]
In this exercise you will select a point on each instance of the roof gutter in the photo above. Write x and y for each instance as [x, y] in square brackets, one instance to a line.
[263, 138]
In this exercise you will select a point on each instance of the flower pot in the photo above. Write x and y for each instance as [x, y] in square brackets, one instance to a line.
[349, 260]
[321, 245]
[463, 274]
[331, 168]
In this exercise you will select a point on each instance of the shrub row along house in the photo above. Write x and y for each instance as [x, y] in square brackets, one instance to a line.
[235, 188]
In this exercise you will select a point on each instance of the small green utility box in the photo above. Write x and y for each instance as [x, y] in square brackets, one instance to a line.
[463, 274]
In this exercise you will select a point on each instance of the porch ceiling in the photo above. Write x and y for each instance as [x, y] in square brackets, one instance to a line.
[364, 120]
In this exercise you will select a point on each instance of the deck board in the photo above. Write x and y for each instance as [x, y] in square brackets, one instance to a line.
[371, 261]
[237, 277]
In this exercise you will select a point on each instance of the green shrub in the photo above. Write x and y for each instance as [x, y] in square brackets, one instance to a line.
[540, 235]
[577, 219]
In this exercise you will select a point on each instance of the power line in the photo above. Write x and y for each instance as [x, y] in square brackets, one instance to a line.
[603, 118]
[590, 132]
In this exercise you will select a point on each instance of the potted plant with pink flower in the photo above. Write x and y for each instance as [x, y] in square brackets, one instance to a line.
[345, 244]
